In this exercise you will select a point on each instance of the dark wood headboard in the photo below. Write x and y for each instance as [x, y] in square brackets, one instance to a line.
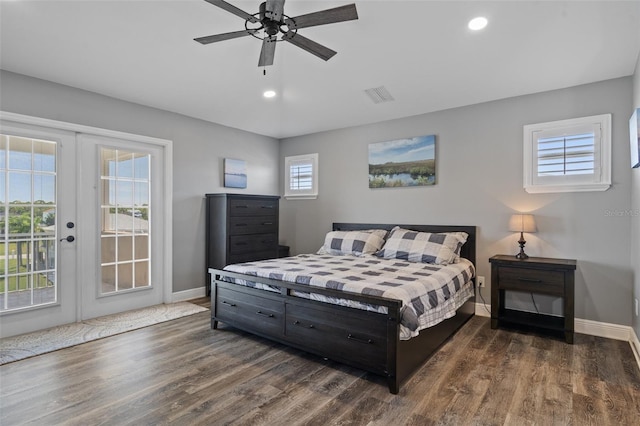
[468, 250]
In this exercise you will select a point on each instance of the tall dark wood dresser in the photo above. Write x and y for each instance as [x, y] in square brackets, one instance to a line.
[240, 228]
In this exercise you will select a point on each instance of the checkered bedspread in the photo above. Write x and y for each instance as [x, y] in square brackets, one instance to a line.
[429, 293]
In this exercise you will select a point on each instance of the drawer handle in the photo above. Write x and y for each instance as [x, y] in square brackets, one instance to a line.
[267, 241]
[241, 224]
[267, 207]
[265, 315]
[302, 325]
[242, 206]
[267, 223]
[355, 339]
[529, 280]
[233, 305]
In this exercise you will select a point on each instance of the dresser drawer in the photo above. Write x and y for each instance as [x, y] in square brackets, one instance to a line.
[531, 280]
[338, 336]
[251, 207]
[253, 243]
[244, 225]
[260, 313]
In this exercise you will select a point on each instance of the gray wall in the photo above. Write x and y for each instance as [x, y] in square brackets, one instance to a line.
[199, 148]
[479, 173]
[635, 209]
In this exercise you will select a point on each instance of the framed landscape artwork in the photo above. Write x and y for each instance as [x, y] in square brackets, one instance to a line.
[403, 162]
[634, 133]
[235, 173]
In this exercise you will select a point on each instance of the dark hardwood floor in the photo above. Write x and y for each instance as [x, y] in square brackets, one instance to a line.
[182, 372]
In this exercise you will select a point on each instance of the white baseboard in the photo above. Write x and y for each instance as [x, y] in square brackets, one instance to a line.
[483, 311]
[603, 329]
[635, 346]
[192, 293]
[592, 328]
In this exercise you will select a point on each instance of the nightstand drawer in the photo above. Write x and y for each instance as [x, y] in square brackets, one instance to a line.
[532, 280]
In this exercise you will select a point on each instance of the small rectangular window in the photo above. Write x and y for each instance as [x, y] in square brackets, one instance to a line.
[301, 176]
[568, 155]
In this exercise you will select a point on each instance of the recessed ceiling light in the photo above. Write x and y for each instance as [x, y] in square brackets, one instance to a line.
[478, 23]
[269, 94]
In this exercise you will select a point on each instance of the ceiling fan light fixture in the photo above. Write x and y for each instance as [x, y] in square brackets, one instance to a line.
[269, 94]
[478, 23]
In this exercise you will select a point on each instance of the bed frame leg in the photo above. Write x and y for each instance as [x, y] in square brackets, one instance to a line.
[214, 324]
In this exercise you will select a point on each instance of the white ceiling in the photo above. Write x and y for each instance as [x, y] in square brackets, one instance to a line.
[421, 51]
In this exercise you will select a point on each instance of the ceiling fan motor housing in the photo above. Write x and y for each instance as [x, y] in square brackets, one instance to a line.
[271, 27]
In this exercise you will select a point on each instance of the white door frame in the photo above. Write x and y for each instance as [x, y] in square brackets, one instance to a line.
[167, 183]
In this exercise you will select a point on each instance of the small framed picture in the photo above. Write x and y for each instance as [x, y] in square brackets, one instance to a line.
[235, 173]
[634, 133]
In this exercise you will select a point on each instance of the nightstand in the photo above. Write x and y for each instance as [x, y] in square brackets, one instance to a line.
[539, 275]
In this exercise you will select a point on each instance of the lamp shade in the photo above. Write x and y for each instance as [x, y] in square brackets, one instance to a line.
[522, 223]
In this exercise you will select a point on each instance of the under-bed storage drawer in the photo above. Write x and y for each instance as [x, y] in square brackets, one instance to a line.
[240, 308]
[358, 336]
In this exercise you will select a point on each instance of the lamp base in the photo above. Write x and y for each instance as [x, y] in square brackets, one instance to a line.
[522, 242]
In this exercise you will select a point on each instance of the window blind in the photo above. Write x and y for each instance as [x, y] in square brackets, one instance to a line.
[567, 155]
[301, 176]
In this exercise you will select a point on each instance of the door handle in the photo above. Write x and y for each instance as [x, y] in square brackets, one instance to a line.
[69, 239]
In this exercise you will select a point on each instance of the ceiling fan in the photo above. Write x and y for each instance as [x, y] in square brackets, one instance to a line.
[271, 22]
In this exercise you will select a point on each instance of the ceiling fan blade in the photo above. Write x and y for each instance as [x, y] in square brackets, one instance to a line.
[268, 51]
[231, 8]
[329, 16]
[274, 9]
[225, 36]
[310, 46]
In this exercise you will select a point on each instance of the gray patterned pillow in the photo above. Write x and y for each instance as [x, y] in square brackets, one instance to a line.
[356, 243]
[423, 247]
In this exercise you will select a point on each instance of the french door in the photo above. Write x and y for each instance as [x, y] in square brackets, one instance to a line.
[38, 263]
[122, 224]
[85, 223]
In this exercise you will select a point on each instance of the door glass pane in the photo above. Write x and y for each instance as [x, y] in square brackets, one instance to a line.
[20, 153]
[44, 186]
[19, 187]
[125, 189]
[28, 215]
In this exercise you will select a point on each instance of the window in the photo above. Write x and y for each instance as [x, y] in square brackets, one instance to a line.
[568, 155]
[301, 176]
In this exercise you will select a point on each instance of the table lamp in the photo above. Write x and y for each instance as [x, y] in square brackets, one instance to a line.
[522, 223]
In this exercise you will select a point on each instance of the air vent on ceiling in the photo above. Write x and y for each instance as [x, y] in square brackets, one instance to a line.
[379, 95]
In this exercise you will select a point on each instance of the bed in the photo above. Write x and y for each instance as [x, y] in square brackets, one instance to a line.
[349, 323]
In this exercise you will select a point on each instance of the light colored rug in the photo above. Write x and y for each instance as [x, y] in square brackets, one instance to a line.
[27, 345]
